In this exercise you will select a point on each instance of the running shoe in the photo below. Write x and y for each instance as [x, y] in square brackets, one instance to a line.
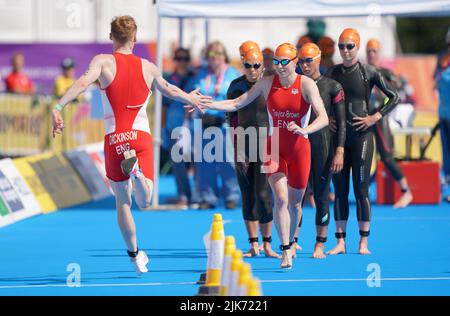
[140, 262]
[130, 164]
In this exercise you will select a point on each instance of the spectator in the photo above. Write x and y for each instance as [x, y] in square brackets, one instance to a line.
[17, 81]
[326, 45]
[442, 78]
[66, 79]
[268, 54]
[183, 78]
[214, 80]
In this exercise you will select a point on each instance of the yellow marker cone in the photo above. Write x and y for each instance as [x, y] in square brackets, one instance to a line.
[215, 256]
[230, 247]
[245, 274]
[236, 262]
[254, 287]
[218, 218]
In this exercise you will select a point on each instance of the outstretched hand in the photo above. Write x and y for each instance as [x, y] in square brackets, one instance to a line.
[294, 128]
[198, 101]
[58, 122]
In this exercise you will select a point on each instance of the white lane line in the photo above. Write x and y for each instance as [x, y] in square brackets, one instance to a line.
[195, 283]
[356, 280]
[94, 285]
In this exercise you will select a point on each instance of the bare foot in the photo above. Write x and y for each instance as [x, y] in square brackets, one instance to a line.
[268, 252]
[253, 252]
[319, 251]
[364, 246]
[286, 260]
[298, 247]
[339, 249]
[294, 250]
[404, 200]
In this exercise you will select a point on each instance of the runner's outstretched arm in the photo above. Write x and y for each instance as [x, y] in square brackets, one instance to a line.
[194, 98]
[89, 77]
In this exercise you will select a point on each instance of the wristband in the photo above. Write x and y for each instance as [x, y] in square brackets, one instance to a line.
[59, 107]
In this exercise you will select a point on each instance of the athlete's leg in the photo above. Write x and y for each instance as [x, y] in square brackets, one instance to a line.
[122, 194]
[341, 183]
[263, 209]
[295, 210]
[143, 187]
[181, 179]
[321, 177]
[245, 180]
[362, 161]
[278, 183]
[384, 142]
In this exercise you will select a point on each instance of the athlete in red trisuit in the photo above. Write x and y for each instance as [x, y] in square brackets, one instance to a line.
[126, 80]
[289, 99]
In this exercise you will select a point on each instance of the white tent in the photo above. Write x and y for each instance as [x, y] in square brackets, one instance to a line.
[298, 8]
[279, 9]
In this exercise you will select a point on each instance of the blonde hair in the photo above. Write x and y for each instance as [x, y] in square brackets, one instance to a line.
[123, 28]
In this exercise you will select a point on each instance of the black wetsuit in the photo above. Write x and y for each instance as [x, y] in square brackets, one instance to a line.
[358, 81]
[383, 135]
[323, 145]
[255, 190]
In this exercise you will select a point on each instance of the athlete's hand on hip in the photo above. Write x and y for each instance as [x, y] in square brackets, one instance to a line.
[332, 124]
[338, 161]
[58, 122]
[363, 123]
[294, 128]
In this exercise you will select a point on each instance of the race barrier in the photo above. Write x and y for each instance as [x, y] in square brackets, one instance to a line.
[25, 126]
[44, 183]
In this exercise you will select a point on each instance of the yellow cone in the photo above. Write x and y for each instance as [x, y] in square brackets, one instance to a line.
[254, 287]
[218, 218]
[215, 257]
[230, 247]
[236, 262]
[245, 274]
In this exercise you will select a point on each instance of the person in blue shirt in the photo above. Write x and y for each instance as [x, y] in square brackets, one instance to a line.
[442, 78]
[183, 77]
[213, 80]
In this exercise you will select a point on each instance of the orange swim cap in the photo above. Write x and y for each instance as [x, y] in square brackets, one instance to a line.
[253, 54]
[326, 45]
[286, 50]
[350, 35]
[247, 45]
[303, 40]
[310, 50]
[373, 44]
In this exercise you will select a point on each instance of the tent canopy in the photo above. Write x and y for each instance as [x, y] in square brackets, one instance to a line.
[299, 8]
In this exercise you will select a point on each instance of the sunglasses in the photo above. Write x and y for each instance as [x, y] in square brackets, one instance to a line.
[372, 51]
[186, 59]
[308, 60]
[348, 46]
[255, 66]
[283, 62]
[214, 54]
